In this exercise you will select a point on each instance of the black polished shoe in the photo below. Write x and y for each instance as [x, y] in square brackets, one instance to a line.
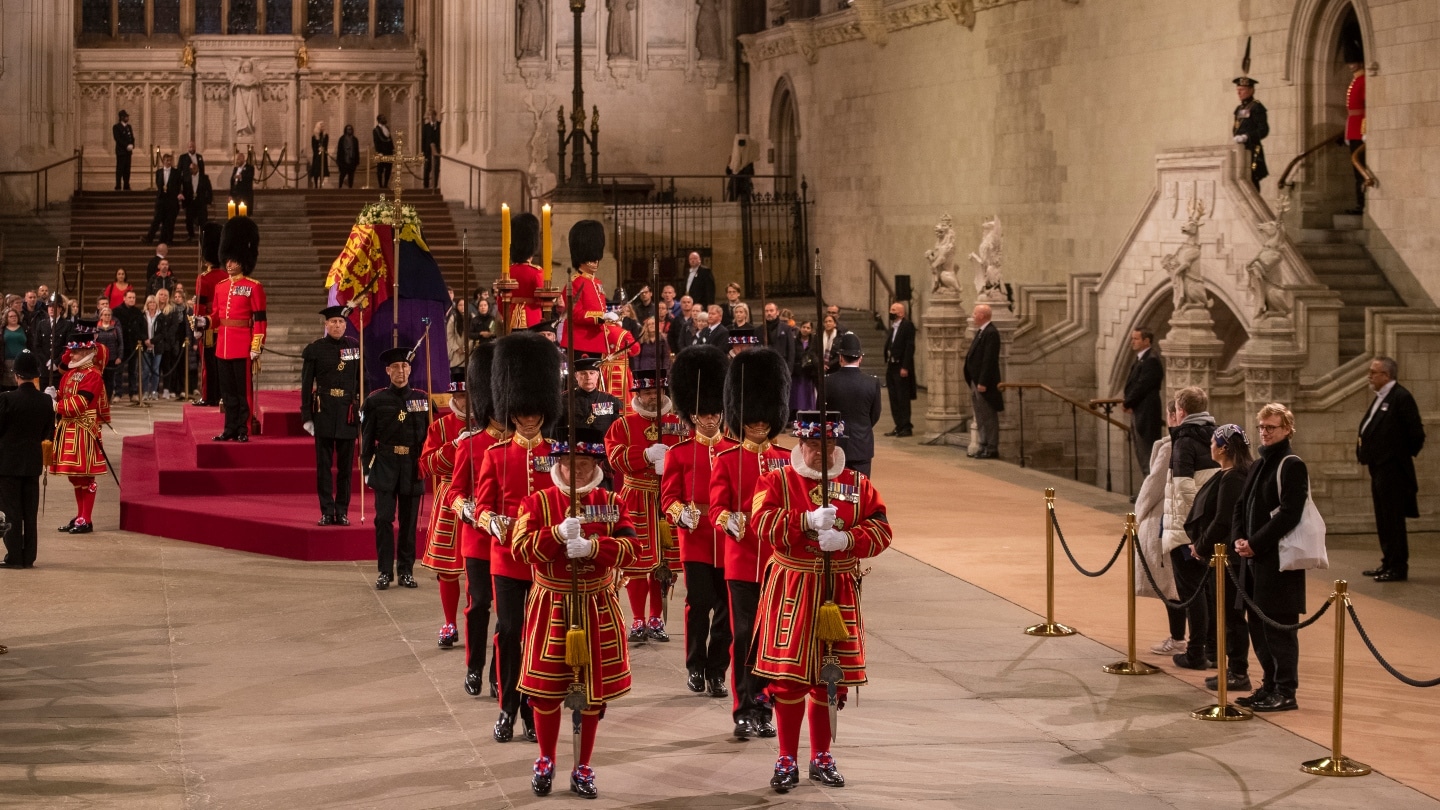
[822, 770]
[891, 432]
[715, 687]
[340, 520]
[325, 520]
[764, 728]
[504, 728]
[382, 582]
[1392, 576]
[637, 632]
[449, 634]
[67, 527]
[223, 437]
[1185, 662]
[1275, 703]
[904, 434]
[1259, 695]
[1373, 572]
[1233, 683]
[656, 631]
[582, 782]
[527, 726]
[83, 528]
[787, 775]
[243, 437]
[695, 682]
[472, 684]
[544, 776]
[408, 581]
[744, 729]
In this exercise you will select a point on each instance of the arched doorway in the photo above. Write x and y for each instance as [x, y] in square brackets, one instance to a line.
[785, 137]
[1325, 35]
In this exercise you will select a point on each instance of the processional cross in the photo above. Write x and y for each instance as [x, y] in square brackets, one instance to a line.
[397, 221]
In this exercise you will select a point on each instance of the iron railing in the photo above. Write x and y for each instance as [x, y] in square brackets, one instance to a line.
[482, 180]
[669, 231]
[1076, 408]
[778, 224]
[42, 178]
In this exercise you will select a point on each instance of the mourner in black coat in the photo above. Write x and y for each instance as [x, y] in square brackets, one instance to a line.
[393, 423]
[242, 182]
[1391, 435]
[168, 197]
[124, 136]
[329, 398]
[982, 376]
[900, 369]
[699, 282]
[856, 395]
[27, 419]
[1142, 396]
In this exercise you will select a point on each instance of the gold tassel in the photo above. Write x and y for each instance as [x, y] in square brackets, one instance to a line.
[830, 624]
[667, 534]
[577, 649]
[47, 452]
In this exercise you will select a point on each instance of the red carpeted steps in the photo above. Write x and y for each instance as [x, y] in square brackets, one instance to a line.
[258, 496]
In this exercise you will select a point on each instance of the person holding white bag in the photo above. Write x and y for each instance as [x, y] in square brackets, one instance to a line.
[1270, 507]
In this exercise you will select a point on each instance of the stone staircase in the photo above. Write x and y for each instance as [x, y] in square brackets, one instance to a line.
[29, 241]
[1342, 262]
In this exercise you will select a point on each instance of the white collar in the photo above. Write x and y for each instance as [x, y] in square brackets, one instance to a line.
[837, 463]
[1140, 355]
[564, 487]
[665, 407]
[460, 412]
[1385, 389]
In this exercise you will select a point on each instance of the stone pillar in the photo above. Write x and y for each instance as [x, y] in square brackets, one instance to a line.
[1191, 351]
[1271, 361]
[948, 399]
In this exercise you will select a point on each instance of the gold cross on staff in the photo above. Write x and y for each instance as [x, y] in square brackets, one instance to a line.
[399, 159]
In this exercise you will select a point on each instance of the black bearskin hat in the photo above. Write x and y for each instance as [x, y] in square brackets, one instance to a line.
[697, 381]
[587, 242]
[525, 378]
[757, 389]
[210, 244]
[477, 383]
[240, 242]
[524, 238]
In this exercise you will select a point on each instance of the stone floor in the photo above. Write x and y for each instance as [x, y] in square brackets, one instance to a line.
[153, 673]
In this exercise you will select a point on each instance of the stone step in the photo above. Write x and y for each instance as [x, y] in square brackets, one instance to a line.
[1331, 250]
[1348, 222]
[1330, 235]
[1351, 347]
[1370, 298]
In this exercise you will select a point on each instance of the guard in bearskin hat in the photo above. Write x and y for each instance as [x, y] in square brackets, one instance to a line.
[757, 395]
[329, 411]
[524, 309]
[525, 389]
[205, 283]
[82, 407]
[238, 316]
[394, 422]
[697, 386]
[586, 311]
[437, 464]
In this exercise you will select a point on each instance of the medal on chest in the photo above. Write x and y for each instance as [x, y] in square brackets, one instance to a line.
[401, 417]
[341, 366]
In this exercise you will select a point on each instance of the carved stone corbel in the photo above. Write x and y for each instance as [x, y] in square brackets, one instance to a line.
[963, 11]
[870, 14]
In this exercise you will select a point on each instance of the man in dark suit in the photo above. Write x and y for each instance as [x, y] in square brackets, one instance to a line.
[384, 144]
[714, 334]
[27, 418]
[1391, 435]
[124, 148]
[856, 395]
[190, 158]
[699, 282]
[779, 335]
[1142, 395]
[242, 181]
[430, 145]
[900, 369]
[982, 375]
[198, 195]
[169, 194]
[42, 338]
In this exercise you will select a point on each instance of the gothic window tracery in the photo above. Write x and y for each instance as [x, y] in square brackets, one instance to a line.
[389, 17]
[242, 17]
[277, 16]
[167, 17]
[319, 18]
[95, 17]
[354, 18]
[132, 16]
[207, 17]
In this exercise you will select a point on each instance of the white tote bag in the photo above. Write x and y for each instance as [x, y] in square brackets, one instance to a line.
[1304, 547]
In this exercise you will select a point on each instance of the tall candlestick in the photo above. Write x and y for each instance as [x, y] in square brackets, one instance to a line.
[504, 241]
[546, 248]
[230, 210]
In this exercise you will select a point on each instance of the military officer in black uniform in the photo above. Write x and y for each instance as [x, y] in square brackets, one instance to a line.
[393, 423]
[1251, 127]
[329, 397]
[595, 408]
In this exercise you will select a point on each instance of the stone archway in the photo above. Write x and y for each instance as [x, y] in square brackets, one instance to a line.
[785, 137]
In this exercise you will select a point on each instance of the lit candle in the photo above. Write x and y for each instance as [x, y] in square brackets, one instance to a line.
[546, 249]
[505, 241]
[230, 210]
[242, 209]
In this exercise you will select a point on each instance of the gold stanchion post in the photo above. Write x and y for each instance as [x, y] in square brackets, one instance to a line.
[1130, 666]
[1335, 764]
[1049, 628]
[1223, 709]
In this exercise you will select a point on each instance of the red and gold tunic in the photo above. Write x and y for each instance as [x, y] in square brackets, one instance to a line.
[524, 308]
[625, 444]
[686, 482]
[537, 543]
[82, 408]
[465, 484]
[1355, 108]
[238, 316]
[733, 482]
[786, 648]
[437, 463]
[511, 472]
[620, 346]
[585, 313]
[205, 297]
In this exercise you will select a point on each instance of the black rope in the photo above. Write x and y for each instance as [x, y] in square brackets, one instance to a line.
[1066, 547]
[1365, 637]
[1174, 604]
[269, 350]
[1249, 603]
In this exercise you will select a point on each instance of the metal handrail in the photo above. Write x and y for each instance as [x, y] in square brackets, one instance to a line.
[876, 275]
[1076, 407]
[665, 183]
[1338, 137]
[42, 177]
[475, 190]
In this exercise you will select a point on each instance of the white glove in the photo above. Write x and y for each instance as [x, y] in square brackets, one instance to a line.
[499, 526]
[655, 453]
[690, 517]
[467, 511]
[612, 317]
[580, 547]
[254, 355]
[735, 525]
[465, 434]
[570, 529]
[821, 518]
[832, 540]
[1241, 138]
[52, 392]
[309, 427]
[659, 467]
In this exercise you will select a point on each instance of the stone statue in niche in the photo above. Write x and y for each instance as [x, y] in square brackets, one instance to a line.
[989, 284]
[1264, 273]
[1187, 286]
[709, 37]
[530, 29]
[620, 43]
[245, 85]
[941, 258]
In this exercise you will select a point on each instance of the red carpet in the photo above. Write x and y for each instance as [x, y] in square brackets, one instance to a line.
[258, 496]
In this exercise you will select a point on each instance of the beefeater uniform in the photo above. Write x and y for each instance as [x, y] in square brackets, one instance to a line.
[442, 541]
[788, 653]
[620, 346]
[394, 422]
[81, 408]
[329, 406]
[213, 274]
[239, 321]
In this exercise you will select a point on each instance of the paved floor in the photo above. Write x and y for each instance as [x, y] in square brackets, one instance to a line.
[153, 673]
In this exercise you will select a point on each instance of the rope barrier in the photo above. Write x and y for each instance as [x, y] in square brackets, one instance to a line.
[1249, 603]
[1066, 547]
[268, 350]
[1145, 566]
[1365, 637]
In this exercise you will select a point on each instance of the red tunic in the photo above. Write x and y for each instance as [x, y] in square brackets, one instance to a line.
[688, 467]
[238, 317]
[205, 289]
[733, 483]
[525, 310]
[81, 407]
[465, 484]
[511, 472]
[625, 444]
[1355, 109]
[620, 346]
[786, 648]
[437, 462]
[585, 302]
[543, 671]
